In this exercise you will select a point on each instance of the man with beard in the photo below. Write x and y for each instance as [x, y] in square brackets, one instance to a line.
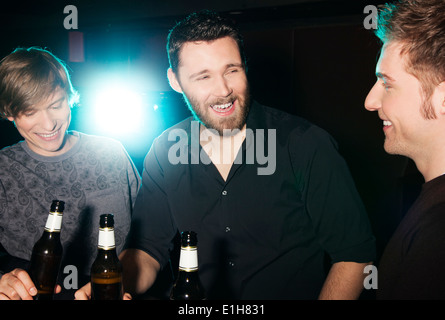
[260, 236]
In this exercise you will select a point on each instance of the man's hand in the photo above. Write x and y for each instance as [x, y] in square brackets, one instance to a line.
[139, 275]
[17, 285]
[84, 293]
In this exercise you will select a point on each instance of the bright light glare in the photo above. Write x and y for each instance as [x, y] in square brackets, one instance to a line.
[118, 110]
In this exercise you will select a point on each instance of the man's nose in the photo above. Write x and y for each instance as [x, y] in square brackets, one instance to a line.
[48, 121]
[373, 101]
[222, 87]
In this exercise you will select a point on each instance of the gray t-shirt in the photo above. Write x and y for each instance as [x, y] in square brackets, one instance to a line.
[95, 176]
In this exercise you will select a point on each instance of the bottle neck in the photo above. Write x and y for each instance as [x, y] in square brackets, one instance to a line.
[107, 255]
[188, 259]
[54, 222]
[51, 235]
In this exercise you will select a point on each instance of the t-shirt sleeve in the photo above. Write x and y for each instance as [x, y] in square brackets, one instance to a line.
[335, 208]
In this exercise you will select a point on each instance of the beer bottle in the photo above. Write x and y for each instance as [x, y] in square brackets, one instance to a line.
[47, 254]
[188, 285]
[106, 271]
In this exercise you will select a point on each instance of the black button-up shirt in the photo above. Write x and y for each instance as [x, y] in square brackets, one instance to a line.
[264, 231]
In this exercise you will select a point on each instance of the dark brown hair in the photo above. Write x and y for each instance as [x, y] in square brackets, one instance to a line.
[205, 25]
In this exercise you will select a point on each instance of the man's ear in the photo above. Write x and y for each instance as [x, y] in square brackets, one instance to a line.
[173, 80]
[440, 91]
[10, 119]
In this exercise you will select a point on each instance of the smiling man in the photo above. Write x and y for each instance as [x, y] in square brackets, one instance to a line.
[44, 125]
[93, 175]
[209, 96]
[259, 236]
[409, 96]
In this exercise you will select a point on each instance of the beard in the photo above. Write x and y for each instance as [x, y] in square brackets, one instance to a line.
[396, 146]
[202, 113]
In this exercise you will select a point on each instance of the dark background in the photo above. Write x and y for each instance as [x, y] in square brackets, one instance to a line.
[310, 58]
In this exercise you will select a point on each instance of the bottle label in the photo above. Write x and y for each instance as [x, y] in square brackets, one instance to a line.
[188, 260]
[54, 222]
[106, 239]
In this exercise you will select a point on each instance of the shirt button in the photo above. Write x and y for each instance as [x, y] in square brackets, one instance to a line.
[231, 264]
[224, 193]
[228, 229]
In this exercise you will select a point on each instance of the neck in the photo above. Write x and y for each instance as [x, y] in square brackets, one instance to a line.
[431, 164]
[221, 149]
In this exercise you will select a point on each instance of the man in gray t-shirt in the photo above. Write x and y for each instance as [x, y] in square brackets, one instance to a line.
[93, 175]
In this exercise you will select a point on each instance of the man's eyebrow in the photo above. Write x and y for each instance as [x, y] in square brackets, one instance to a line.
[231, 65]
[62, 98]
[58, 100]
[384, 76]
[194, 75]
[33, 107]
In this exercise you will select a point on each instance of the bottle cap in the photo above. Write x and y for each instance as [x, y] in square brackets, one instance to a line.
[57, 205]
[106, 220]
[189, 239]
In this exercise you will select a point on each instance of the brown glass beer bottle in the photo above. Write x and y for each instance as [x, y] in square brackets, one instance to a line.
[47, 254]
[188, 285]
[106, 271]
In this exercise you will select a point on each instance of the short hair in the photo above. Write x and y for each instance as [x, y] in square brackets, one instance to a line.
[29, 75]
[419, 26]
[204, 25]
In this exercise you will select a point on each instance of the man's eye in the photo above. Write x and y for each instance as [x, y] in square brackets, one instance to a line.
[385, 85]
[232, 71]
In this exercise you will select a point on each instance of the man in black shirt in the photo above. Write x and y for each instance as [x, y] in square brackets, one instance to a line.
[266, 192]
[409, 96]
